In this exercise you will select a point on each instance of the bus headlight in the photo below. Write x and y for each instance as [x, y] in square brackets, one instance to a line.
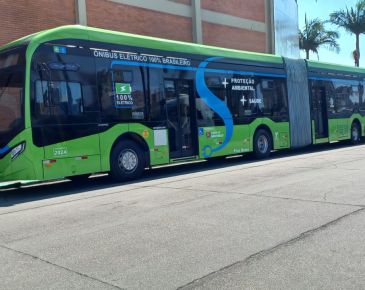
[17, 150]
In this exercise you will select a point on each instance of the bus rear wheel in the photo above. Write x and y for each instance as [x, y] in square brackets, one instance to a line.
[262, 144]
[355, 133]
[127, 161]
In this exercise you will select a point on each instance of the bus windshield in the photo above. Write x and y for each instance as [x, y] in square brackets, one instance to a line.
[12, 75]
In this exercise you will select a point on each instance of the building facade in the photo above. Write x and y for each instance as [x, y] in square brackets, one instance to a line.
[238, 24]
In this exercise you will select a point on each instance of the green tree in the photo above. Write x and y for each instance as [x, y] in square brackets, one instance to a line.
[353, 21]
[314, 35]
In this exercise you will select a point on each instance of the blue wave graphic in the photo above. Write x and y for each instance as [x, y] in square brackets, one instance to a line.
[215, 104]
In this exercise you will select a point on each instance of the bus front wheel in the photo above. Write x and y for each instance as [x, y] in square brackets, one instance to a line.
[127, 161]
[262, 144]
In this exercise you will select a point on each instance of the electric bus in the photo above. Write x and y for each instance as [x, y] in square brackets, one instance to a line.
[76, 100]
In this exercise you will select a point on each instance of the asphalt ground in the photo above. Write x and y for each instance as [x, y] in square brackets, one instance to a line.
[295, 221]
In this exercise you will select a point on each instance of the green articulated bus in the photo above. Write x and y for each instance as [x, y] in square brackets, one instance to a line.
[76, 101]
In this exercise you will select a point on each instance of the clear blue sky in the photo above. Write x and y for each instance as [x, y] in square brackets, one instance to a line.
[322, 9]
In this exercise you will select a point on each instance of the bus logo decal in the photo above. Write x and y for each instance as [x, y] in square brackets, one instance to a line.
[216, 105]
[123, 89]
[123, 95]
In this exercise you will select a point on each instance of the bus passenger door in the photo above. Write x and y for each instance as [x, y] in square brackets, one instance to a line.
[320, 116]
[180, 119]
[65, 108]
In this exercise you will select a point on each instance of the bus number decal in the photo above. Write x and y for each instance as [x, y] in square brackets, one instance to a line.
[61, 151]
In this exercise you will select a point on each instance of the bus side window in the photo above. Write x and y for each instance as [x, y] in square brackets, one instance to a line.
[345, 98]
[214, 83]
[58, 98]
[362, 97]
[204, 114]
[41, 101]
[122, 93]
[271, 98]
[89, 99]
[157, 102]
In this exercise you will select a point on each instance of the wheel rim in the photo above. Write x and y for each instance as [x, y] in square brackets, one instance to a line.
[355, 133]
[262, 144]
[128, 160]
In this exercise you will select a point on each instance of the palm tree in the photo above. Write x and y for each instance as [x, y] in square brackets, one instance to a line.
[352, 20]
[314, 35]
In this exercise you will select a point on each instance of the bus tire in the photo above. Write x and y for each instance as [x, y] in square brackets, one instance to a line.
[127, 161]
[355, 133]
[262, 144]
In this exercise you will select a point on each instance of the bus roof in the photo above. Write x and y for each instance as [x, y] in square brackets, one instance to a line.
[108, 36]
[114, 37]
[334, 67]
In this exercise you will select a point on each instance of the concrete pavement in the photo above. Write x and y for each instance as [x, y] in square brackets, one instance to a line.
[295, 221]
